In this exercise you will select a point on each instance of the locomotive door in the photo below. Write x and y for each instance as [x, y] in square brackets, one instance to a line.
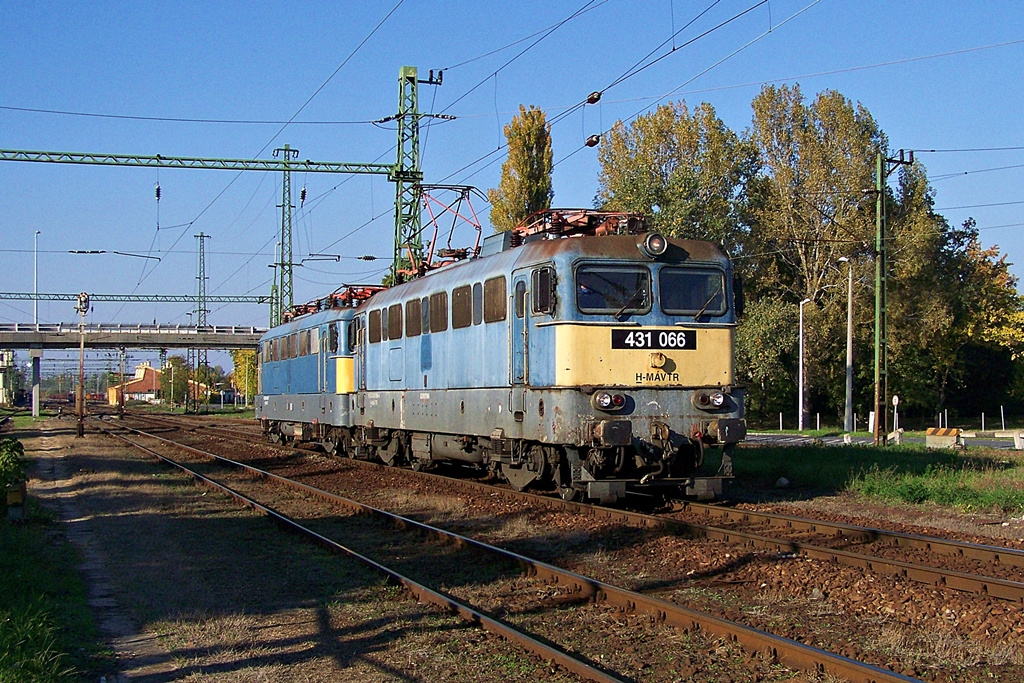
[518, 374]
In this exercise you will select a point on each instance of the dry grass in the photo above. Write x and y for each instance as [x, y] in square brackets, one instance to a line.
[945, 649]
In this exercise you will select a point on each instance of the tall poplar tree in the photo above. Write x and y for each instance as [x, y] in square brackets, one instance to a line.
[525, 185]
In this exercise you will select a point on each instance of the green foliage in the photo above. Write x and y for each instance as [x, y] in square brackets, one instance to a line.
[909, 474]
[174, 379]
[525, 185]
[47, 631]
[12, 468]
[28, 647]
[765, 341]
[963, 488]
[687, 172]
[243, 376]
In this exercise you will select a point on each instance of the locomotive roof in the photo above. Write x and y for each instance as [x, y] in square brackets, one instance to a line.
[618, 248]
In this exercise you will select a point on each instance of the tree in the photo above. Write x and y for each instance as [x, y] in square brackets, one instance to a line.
[243, 376]
[525, 185]
[174, 379]
[686, 172]
[765, 343]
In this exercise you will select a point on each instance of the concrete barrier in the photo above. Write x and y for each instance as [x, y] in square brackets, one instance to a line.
[942, 438]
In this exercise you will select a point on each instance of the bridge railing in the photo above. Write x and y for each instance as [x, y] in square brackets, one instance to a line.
[98, 328]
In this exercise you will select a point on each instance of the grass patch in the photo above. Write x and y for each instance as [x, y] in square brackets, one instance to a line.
[47, 632]
[962, 488]
[979, 479]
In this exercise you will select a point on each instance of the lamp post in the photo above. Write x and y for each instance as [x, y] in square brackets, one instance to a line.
[800, 387]
[848, 412]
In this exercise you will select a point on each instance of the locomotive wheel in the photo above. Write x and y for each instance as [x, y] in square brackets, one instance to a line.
[392, 453]
[521, 476]
[330, 446]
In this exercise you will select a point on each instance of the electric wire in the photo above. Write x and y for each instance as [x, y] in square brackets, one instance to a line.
[275, 136]
[172, 119]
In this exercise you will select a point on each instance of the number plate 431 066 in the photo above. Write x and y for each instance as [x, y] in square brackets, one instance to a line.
[654, 339]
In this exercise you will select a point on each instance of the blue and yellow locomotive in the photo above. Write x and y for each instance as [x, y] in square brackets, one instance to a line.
[580, 352]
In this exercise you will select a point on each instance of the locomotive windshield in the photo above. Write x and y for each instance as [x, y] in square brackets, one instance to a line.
[613, 289]
[692, 291]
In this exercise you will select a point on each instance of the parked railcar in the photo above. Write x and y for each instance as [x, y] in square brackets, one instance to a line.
[581, 352]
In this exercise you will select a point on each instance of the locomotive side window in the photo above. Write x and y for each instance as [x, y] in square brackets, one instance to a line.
[439, 312]
[304, 343]
[395, 321]
[314, 340]
[478, 303]
[354, 329]
[462, 307]
[520, 299]
[293, 345]
[425, 311]
[692, 291]
[544, 290]
[613, 289]
[495, 304]
[384, 328]
[374, 326]
[413, 318]
[332, 337]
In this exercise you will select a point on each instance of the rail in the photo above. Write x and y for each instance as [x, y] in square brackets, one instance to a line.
[786, 651]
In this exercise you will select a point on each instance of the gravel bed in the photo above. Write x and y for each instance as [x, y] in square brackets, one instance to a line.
[914, 629]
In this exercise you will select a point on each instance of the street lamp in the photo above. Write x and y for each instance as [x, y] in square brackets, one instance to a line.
[848, 412]
[800, 387]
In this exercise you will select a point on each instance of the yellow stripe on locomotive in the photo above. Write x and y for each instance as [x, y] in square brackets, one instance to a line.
[584, 356]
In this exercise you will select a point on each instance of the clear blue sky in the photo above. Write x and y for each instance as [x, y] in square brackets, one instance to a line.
[935, 74]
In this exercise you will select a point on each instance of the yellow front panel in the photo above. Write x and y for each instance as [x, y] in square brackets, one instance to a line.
[584, 355]
[345, 375]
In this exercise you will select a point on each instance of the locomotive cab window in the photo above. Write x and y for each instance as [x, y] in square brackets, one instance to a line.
[692, 291]
[520, 302]
[355, 328]
[544, 290]
[613, 289]
[332, 337]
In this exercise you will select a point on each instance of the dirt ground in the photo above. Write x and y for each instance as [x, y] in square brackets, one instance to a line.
[188, 586]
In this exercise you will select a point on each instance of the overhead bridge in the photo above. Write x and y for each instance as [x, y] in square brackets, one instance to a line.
[115, 336]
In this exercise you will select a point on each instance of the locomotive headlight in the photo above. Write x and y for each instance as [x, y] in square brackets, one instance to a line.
[654, 245]
[709, 400]
[605, 400]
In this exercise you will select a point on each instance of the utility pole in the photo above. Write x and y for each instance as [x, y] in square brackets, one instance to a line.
[82, 307]
[285, 292]
[198, 358]
[883, 168]
[407, 175]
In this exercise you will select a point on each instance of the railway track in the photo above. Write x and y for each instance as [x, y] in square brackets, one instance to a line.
[574, 588]
[983, 570]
